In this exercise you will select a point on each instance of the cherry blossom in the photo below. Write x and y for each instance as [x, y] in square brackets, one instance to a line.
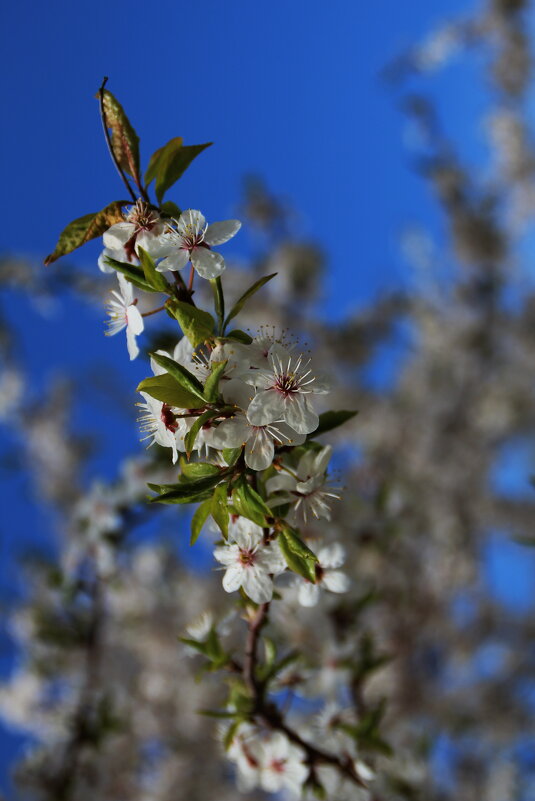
[193, 241]
[328, 577]
[143, 228]
[306, 490]
[123, 313]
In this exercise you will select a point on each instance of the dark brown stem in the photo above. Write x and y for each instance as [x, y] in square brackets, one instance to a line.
[108, 141]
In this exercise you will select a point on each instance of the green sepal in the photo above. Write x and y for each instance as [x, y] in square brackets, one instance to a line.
[198, 520]
[133, 273]
[298, 556]
[191, 436]
[330, 420]
[155, 279]
[219, 508]
[197, 325]
[85, 228]
[167, 390]
[169, 162]
[211, 386]
[238, 306]
[183, 376]
[248, 503]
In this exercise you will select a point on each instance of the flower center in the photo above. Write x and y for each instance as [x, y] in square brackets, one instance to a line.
[278, 765]
[168, 418]
[142, 216]
[286, 383]
[247, 557]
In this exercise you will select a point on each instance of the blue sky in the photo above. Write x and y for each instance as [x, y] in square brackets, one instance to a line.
[287, 89]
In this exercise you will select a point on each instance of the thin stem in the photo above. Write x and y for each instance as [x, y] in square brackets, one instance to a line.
[183, 293]
[153, 311]
[191, 277]
[108, 140]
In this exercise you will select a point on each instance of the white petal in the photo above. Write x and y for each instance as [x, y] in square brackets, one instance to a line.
[282, 481]
[259, 450]
[126, 288]
[118, 235]
[288, 435]
[271, 559]
[220, 232]
[207, 263]
[308, 594]
[183, 352]
[112, 254]
[176, 261]
[231, 433]
[134, 320]
[191, 218]
[227, 554]
[266, 407]
[258, 585]
[335, 581]
[299, 414]
[237, 392]
[332, 555]
[234, 577]
[131, 344]
[321, 384]
[322, 459]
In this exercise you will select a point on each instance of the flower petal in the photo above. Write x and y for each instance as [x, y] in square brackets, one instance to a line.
[259, 450]
[191, 220]
[118, 235]
[176, 261]
[219, 232]
[335, 581]
[207, 263]
[131, 344]
[308, 594]
[258, 585]
[266, 407]
[134, 320]
[299, 415]
[234, 577]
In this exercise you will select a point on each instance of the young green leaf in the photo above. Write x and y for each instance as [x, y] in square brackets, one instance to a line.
[219, 301]
[196, 324]
[298, 556]
[124, 140]
[250, 504]
[191, 492]
[330, 420]
[199, 519]
[198, 469]
[211, 387]
[219, 508]
[240, 336]
[155, 279]
[191, 436]
[238, 306]
[170, 209]
[183, 376]
[165, 389]
[169, 162]
[134, 274]
[81, 230]
[231, 455]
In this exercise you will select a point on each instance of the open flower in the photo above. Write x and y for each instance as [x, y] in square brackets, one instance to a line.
[328, 577]
[193, 241]
[159, 424]
[306, 489]
[123, 313]
[143, 228]
[284, 391]
[249, 562]
[282, 765]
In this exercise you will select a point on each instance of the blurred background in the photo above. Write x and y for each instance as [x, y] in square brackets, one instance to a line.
[381, 158]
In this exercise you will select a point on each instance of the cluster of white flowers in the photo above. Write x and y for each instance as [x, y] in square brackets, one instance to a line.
[270, 762]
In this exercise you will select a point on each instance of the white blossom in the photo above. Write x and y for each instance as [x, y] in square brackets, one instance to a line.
[123, 313]
[143, 228]
[193, 241]
[306, 489]
[249, 562]
[284, 391]
[328, 577]
[159, 423]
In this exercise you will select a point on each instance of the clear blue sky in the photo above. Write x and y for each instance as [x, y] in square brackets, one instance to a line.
[287, 89]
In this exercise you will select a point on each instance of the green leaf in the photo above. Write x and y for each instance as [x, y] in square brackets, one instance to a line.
[240, 336]
[211, 387]
[81, 230]
[169, 162]
[165, 389]
[330, 420]
[298, 556]
[238, 306]
[183, 376]
[199, 519]
[185, 493]
[191, 436]
[249, 504]
[198, 469]
[134, 274]
[155, 279]
[124, 140]
[231, 455]
[230, 733]
[219, 508]
[170, 209]
[196, 324]
[219, 301]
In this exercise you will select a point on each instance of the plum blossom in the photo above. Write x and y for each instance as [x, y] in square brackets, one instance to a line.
[143, 228]
[160, 424]
[249, 562]
[284, 391]
[271, 762]
[306, 490]
[123, 313]
[193, 241]
[328, 577]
